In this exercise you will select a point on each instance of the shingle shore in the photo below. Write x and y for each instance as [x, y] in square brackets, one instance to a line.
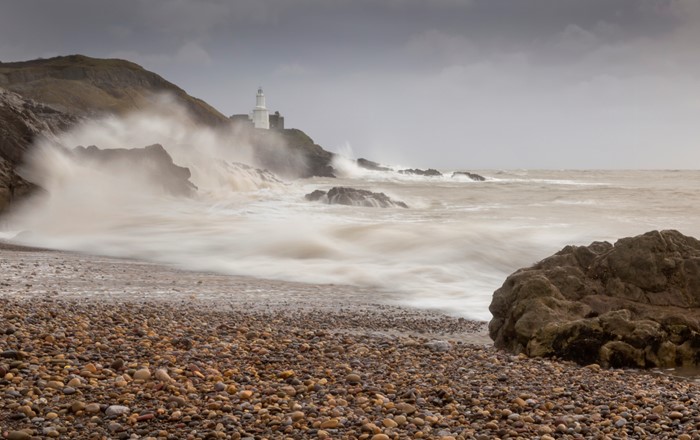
[79, 359]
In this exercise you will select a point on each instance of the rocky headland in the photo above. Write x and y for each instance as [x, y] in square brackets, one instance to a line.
[45, 97]
[632, 304]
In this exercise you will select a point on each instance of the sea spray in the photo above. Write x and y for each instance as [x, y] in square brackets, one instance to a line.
[450, 251]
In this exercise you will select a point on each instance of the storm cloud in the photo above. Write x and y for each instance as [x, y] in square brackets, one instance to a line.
[442, 83]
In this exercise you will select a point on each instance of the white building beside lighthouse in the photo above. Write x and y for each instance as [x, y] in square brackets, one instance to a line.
[261, 117]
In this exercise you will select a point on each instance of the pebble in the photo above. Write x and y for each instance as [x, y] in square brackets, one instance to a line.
[117, 364]
[297, 416]
[11, 354]
[144, 417]
[51, 432]
[353, 378]
[78, 406]
[142, 374]
[439, 346]
[406, 408]
[56, 385]
[330, 424]
[389, 423]
[92, 408]
[117, 410]
[115, 427]
[161, 375]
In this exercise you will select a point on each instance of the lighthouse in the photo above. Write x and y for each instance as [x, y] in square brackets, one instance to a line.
[261, 117]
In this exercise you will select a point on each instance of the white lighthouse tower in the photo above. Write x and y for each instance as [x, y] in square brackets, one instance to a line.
[261, 117]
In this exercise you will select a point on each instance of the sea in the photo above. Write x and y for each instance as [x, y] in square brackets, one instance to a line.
[449, 250]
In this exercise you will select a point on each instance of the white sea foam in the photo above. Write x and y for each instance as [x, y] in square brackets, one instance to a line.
[450, 250]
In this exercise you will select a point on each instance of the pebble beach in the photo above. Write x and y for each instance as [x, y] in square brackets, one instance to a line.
[103, 348]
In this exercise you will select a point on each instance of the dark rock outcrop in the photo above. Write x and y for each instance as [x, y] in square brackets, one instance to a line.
[369, 165]
[341, 195]
[12, 186]
[22, 121]
[430, 172]
[634, 304]
[473, 176]
[291, 153]
[152, 163]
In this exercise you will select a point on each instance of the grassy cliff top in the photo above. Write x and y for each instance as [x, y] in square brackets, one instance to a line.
[85, 86]
[68, 61]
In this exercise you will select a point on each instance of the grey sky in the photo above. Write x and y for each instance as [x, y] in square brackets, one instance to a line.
[442, 83]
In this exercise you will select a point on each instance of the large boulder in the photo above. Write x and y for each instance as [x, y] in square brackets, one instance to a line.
[634, 304]
[341, 195]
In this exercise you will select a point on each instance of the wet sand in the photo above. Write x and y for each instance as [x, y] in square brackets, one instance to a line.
[95, 347]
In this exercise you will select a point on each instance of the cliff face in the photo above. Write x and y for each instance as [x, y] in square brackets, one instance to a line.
[84, 86]
[21, 122]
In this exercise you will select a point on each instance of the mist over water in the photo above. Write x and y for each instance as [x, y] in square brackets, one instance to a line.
[455, 245]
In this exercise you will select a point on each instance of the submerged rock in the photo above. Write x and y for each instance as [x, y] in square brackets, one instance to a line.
[475, 177]
[340, 195]
[430, 172]
[634, 304]
[370, 165]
